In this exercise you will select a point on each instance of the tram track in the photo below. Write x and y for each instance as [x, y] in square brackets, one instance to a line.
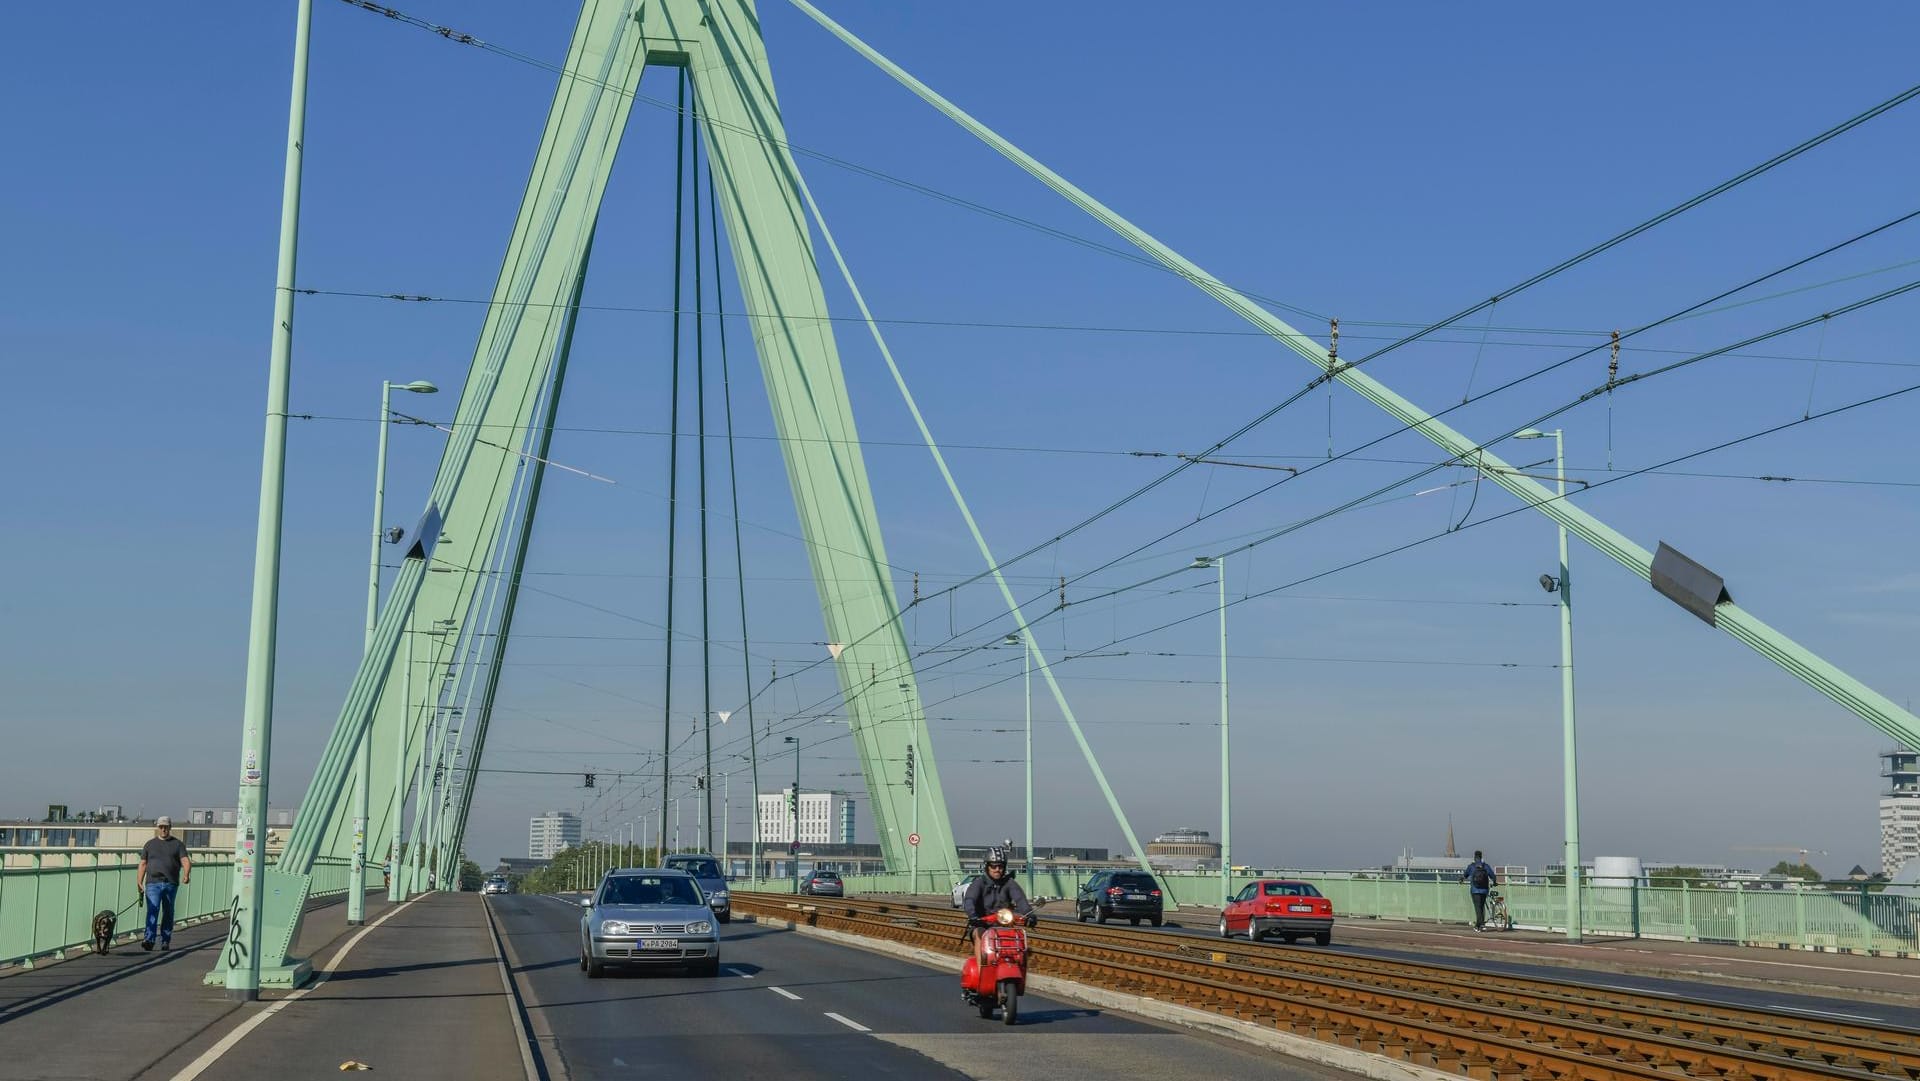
[1442, 1017]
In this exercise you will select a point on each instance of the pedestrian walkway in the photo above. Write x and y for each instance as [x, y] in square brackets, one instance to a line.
[416, 993]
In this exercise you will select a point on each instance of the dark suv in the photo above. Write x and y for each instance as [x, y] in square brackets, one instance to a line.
[1131, 894]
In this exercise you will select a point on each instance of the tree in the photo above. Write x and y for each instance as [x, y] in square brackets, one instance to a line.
[470, 874]
[1802, 871]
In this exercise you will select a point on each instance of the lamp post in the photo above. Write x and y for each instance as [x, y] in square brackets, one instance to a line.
[1563, 585]
[793, 850]
[363, 755]
[1026, 682]
[1219, 563]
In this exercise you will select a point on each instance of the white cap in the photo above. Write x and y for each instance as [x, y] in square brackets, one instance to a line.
[163, 820]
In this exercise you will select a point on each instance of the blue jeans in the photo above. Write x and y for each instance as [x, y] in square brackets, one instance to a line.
[160, 910]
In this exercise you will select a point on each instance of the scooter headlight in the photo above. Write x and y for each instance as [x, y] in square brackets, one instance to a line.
[1004, 917]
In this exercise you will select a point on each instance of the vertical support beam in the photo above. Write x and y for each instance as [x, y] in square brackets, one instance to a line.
[249, 845]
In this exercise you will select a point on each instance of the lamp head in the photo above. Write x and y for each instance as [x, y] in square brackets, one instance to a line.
[421, 386]
[1549, 583]
[1012, 639]
[1200, 562]
[1530, 433]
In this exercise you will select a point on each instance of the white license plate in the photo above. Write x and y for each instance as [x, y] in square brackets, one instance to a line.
[661, 944]
[1136, 896]
[1299, 908]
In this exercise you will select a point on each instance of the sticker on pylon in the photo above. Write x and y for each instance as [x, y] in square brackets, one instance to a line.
[913, 839]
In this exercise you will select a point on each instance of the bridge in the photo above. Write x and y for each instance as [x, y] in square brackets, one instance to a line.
[416, 978]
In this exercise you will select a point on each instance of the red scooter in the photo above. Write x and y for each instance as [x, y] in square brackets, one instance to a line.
[1001, 977]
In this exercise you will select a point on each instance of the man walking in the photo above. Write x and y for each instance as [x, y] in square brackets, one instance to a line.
[1480, 879]
[165, 866]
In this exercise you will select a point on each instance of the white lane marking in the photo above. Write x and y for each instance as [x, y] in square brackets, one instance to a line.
[742, 973]
[784, 993]
[854, 1025]
[212, 1054]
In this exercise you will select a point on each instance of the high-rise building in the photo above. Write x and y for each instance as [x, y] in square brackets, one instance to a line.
[820, 812]
[1899, 810]
[550, 832]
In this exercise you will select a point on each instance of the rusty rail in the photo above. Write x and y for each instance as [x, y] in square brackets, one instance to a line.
[1439, 1016]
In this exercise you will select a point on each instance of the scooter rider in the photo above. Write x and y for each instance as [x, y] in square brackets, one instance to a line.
[992, 892]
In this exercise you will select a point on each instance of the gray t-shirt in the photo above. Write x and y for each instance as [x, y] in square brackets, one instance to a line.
[163, 856]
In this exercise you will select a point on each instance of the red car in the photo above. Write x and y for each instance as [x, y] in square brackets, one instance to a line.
[1280, 907]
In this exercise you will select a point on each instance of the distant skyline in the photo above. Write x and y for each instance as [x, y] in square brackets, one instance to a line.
[1387, 165]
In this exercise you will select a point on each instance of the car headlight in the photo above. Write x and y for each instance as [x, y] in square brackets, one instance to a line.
[613, 927]
[719, 895]
[700, 927]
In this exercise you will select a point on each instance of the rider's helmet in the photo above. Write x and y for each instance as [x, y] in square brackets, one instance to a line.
[997, 855]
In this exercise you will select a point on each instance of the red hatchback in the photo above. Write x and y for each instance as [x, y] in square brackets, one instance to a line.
[1290, 910]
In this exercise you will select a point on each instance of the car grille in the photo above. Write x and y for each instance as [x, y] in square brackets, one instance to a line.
[656, 928]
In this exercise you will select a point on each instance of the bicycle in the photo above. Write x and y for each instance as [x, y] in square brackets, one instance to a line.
[1498, 918]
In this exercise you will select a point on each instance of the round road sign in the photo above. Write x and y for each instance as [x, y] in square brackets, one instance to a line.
[913, 839]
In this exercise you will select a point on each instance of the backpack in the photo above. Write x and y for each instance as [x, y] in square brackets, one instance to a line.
[1480, 874]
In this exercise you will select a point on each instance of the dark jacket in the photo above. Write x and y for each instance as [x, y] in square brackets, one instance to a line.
[1492, 879]
[985, 896]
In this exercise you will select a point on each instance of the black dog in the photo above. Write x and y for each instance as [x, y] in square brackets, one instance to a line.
[103, 924]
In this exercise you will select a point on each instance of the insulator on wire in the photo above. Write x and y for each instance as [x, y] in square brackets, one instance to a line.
[1613, 363]
[1333, 346]
[1063, 591]
[916, 587]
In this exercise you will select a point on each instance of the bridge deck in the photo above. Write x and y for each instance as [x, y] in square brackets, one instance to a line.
[419, 994]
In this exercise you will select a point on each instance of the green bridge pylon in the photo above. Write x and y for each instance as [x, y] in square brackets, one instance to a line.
[472, 505]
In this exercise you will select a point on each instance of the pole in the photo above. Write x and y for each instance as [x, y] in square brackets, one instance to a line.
[913, 851]
[1569, 746]
[793, 853]
[1226, 773]
[363, 757]
[1026, 680]
[726, 815]
[256, 738]
[395, 891]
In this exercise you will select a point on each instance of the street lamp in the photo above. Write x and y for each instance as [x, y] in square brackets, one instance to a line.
[1219, 564]
[1568, 750]
[793, 848]
[1026, 680]
[363, 754]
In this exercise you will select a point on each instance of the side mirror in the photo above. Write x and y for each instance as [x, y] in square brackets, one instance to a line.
[586, 902]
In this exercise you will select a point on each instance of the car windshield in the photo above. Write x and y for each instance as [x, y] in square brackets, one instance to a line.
[1291, 889]
[649, 890]
[827, 876]
[1133, 882]
[697, 868]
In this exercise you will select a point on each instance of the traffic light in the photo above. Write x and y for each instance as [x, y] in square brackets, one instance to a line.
[588, 783]
[700, 781]
[910, 788]
[793, 801]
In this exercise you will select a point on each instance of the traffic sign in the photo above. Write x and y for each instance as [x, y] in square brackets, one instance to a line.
[913, 839]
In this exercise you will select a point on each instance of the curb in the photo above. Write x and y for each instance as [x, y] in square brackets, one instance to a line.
[1363, 1063]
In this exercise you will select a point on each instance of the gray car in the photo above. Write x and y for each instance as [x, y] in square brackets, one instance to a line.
[648, 917]
[706, 870]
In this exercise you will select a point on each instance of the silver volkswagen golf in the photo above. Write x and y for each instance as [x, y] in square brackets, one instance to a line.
[648, 916]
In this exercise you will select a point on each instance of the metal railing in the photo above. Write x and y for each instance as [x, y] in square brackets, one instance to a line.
[48, 897]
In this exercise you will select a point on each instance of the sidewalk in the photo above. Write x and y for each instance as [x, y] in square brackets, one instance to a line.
[418, 995]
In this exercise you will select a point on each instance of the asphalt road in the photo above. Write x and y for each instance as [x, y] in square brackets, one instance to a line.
[794, 1007]
[1869, 1012]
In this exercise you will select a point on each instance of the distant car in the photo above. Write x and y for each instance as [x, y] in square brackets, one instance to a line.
[1130, 895]
[706, 871]
[823, 884]
[1287, 909]
[497, 885]
[960, 890]
[646, 917]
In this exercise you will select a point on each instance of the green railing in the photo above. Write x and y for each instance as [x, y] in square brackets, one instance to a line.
[48, 897]
[1837, 916]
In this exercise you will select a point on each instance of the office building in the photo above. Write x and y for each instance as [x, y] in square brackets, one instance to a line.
[1899, 810]
[820, 812]
[550, 832]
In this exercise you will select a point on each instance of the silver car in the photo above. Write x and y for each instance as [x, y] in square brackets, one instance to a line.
[648, 916]
[713, 884]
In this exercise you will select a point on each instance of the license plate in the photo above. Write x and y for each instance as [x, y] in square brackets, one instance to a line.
[661, 944]
[1136, 896]
[1299, 908]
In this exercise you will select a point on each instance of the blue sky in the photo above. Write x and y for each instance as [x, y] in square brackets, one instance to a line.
[1385, 164]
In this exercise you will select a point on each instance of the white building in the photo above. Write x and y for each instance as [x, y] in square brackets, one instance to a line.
[551, 832]
[1900, 810]
[820, 814]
